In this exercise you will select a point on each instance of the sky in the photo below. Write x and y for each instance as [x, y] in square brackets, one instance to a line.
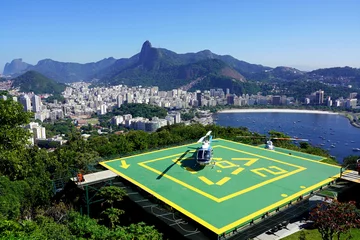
[297, 33]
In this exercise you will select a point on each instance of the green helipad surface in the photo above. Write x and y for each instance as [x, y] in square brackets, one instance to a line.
[245, 183]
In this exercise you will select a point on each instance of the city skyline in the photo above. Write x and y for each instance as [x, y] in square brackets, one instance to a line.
[304, 35]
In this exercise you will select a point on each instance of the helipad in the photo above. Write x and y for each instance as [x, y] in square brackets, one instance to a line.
[245, 183]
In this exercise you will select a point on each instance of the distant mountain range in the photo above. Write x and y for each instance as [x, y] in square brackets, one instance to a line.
[167, 69]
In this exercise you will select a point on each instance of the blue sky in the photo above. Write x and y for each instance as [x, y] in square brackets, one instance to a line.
[299, 33]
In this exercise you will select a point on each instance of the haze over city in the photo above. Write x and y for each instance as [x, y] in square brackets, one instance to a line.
[305, 34]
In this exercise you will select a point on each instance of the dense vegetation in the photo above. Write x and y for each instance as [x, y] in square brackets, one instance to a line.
[64, 126]
[57, 97]
[27, 209]
[32, 81]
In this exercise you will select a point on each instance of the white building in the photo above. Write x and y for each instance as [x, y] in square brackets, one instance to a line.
[36, 103]
[117, 120]
[25, 101]
[103, 109]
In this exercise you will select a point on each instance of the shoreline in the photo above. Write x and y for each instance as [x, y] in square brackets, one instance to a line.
[274, 110]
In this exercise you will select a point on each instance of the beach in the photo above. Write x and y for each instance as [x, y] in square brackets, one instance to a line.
[275, 111]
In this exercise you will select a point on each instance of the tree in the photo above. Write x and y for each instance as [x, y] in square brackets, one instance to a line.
[112, 195]
[350, 161]
[334, 219]
[13, 136]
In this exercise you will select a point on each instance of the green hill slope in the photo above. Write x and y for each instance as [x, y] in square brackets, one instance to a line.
[32, 81]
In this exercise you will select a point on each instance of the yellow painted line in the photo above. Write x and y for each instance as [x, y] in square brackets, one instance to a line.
[237, 171]
[205, 180]
[217, 158]
[257, 171]
[230, 195]
[228, 164]
[157, 159]
[294, 151]
[284, 195]
[256, 155]
[250, 160]
[180, 182]
[258, 148]
[302, 187]
[156, 151]
[124, 164]
[280, 171]
[223, 181]
[165, 200]
[189, 169]
[277, 204]
[260, 185]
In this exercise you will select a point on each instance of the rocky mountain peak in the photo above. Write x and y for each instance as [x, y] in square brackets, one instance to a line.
[148, 55]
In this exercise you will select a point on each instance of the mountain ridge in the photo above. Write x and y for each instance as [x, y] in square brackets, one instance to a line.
[150, 63]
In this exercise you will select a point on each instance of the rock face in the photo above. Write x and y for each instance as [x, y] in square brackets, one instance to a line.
[16, 66]
[148, 56]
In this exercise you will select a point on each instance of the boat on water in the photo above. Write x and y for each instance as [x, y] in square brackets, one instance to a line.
[356, 149]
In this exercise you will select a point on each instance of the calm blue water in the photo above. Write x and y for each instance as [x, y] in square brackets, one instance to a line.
[318, 128]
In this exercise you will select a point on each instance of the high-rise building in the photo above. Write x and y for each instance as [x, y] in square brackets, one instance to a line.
[353, 95]
[103, 109]
[319, 97]
[129, 98]
[119, 100]
[25, 101]
[276, 100]
[36, 103]
[230, 99]
[198, 97]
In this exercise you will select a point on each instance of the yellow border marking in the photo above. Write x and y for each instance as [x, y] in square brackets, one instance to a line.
[217, 159]
[180, 182]
[263, 149]
[205, 180]
[250, 160]
[165, 200]
[231, 225]
[302, 187]
[238, 222]
[259, 156]
[205, 194]
[275, 205]
[322, 158]
[284, 195]
[237, 171]
[145, 153]
[223, 181]
[124, 164]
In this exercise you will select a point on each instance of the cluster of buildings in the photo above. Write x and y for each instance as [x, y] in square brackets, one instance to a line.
[81, 99]
[317, 98]
[140, 123]
[33, 103]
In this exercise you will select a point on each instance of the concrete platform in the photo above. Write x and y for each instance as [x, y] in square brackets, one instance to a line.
[245, 183]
